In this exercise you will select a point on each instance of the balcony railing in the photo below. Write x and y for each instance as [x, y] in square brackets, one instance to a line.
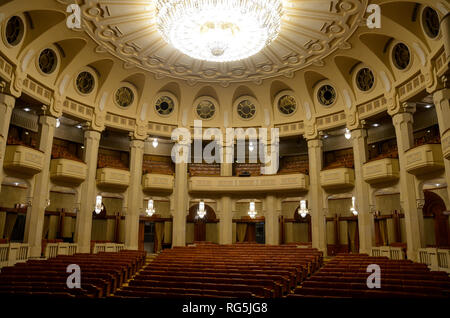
[424, 159]
[23, 159]
[157, 182]
[115, 178]
[382, 170]
[66, 170]
[337, 178]
[282, 183]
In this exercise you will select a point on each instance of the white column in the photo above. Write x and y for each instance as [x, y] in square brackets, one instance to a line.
[316, 195]
[272, 224]
[134, 195]
[445, 29]
[442, 103]
[403, 123]
[226, 217]
[365, 220]
[180, 196]
[35, 215]
[88, 192]
[6, 107]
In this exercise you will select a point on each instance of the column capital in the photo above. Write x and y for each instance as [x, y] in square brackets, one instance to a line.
[137, 144]
[47, 120]
[402, 118]
[359, 133]
[403, 107]
[7, 100]
[314, 143]
[92, 134]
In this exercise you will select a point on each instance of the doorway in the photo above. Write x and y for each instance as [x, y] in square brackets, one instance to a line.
[434, 208]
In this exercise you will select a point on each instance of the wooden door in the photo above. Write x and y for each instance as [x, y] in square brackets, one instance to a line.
[200, 231]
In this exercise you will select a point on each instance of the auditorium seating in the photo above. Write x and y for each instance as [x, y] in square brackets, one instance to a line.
[62, 149]
[208, 270]
[101, 274]
[346, 276]
[112, 159]
[157, 164]
[251, 169]
[294, 164]
[204, 169]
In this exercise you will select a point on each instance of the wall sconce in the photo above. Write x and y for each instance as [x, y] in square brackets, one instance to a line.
[98, 204]
[155, 142]
[150, 209]
[252, 210]
[303, 211]
[201, 212]
[347, 134]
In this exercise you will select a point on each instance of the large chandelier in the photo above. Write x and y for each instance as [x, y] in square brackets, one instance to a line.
[219, 30]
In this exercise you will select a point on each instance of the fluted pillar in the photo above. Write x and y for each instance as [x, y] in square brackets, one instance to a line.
[365, 220]
[6, 107]
[272, 225]
[442, 103]
[180, 194]
[36, 212]
[316, 195]
[226, 216]
[403, 123]
[445, 29]
[88, 191]
[134, 195]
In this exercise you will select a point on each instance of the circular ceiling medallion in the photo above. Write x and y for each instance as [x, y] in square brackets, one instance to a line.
[164, 105]
[124, 96]
[85, 82]
[246, 109]
[206, 109]
[305, 32]
[326, 95]
[14, 30]
[47, 61]
[430, 20]
[401, 56]
[287, 105]
[365, 79]
[216, 30]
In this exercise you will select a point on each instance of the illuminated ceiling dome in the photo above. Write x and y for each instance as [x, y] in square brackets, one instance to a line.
[219, 30]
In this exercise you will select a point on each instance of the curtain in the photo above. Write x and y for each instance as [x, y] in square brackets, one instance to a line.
[168, 232]
[384, 232]
[9, 226]
[2, 223]
[241, 230]
[159, 233]
[352, 235]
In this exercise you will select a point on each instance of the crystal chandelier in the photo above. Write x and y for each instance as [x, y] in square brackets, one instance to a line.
[252, 210]
[303, 211]
[219, 30]
[150, 209]
[201, 212]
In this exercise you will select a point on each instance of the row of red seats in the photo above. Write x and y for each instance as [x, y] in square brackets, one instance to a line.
[102, 274]
[208, 270]
[346, 277]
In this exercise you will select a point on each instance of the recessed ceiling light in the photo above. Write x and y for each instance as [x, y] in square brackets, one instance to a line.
[428, 106]
[375, 125]
[325, 136]
[27, 109]
[79, 126]
[58, 122]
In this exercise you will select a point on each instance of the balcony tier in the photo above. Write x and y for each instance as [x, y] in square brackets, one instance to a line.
[66, 170]
[23, 159]
[337, 178]
[115, 178]
[282, 183]
[424, 159]
[382, 170]
[157, 182]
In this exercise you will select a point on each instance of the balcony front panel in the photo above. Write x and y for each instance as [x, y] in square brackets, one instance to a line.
[157, 182]
[23, 159]
[337, 178]
[445, 140]
[66, 170]
[382, 170]
[424, 159]
[279, 183]
[115, 178]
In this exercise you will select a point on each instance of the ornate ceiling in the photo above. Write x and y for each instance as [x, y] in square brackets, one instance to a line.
[311, 30]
